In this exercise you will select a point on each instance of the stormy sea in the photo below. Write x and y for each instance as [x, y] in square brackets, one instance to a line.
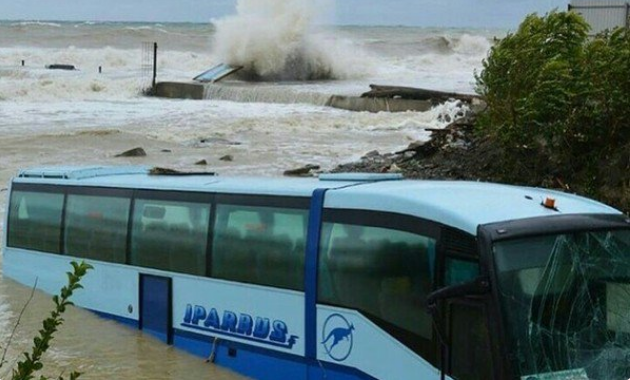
[272, 118]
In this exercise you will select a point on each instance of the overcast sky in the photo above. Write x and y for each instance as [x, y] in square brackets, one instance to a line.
[446, 13]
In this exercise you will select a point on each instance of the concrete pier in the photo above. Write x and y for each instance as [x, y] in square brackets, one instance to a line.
[195, 90]
[180, 90]
[359, 104]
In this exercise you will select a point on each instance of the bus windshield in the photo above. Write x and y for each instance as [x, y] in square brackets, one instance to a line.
[565, 301]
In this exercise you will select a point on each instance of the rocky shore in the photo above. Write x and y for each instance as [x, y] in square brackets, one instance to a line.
[457, 153]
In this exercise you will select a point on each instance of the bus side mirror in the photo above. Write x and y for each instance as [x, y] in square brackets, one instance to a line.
[478, 286]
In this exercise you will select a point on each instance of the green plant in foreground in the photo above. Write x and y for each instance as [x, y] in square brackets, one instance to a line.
[32, 363]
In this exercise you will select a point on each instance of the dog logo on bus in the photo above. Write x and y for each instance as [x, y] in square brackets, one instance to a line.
[337, 337]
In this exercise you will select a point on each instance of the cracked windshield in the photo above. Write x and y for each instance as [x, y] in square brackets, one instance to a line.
[566, 304]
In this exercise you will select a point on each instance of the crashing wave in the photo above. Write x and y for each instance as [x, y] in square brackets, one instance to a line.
[275, 40]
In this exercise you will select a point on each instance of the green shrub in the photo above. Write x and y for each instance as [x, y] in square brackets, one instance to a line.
[558, 95]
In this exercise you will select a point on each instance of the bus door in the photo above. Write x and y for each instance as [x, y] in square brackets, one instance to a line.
[466, 351]
[469, 354]
[156, 296]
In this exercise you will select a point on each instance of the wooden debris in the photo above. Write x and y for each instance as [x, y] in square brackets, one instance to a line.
[305, 171]
[168, 171]
[378, 91]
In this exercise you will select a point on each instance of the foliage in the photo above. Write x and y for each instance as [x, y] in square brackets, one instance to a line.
[559, 101]
[32, 363]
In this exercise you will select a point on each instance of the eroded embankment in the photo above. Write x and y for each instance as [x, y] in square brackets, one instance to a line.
[457, 152]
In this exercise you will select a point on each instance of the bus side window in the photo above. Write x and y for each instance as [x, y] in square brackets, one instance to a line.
[170, 235]
[384, 273]
[35, 220]
[233, 258]
[96, 227]
[260, 245]
[460, 271]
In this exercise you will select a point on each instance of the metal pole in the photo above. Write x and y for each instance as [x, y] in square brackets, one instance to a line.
[154, 62]
[627, 15]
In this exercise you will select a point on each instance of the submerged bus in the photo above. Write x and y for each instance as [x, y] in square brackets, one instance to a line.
[348, 276]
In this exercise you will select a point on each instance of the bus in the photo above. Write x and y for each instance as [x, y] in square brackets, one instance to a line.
[345, 276]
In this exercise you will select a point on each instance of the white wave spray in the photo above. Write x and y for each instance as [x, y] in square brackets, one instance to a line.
[276, 40]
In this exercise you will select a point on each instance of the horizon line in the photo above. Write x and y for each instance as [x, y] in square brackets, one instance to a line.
[210, 22]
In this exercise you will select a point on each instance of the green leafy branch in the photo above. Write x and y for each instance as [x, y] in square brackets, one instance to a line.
[32, 363]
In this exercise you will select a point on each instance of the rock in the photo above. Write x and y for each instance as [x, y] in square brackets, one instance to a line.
[227, 157]
[60, 66]
[415, 145]
[371, 154]
[166, 151]
[201, 162]
[445, 118]
[135, 152]
[304, 171]
[394, 169]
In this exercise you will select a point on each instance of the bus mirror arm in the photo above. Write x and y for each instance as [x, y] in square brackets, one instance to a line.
[478, 286]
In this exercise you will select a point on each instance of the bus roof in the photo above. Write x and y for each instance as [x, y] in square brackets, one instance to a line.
[463, 205]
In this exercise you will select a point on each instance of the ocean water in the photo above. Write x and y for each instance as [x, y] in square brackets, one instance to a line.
[50, 117]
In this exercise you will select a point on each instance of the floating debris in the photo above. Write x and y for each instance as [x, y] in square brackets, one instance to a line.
[217, 73]
[174, 172]
[60, 66]
[304, 171]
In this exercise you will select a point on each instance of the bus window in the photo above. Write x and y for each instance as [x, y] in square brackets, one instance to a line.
[35, 221]
[564, 299]
[384, 273]
[460, 271]
[260, 245]
[170, 235]
[96, 227]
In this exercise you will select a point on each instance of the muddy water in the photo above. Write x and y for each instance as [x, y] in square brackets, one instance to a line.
[99, 348]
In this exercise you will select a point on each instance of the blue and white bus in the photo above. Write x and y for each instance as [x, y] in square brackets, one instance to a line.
[349, 276]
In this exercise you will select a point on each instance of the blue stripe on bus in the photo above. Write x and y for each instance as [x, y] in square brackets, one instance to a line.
[263, 363]
[310, 277]
[126, 321]
[259, 362]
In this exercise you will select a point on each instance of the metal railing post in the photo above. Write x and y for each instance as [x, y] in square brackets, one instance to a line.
[155, 46]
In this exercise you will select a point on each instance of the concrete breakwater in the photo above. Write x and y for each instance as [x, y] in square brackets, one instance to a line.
[240, 93]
